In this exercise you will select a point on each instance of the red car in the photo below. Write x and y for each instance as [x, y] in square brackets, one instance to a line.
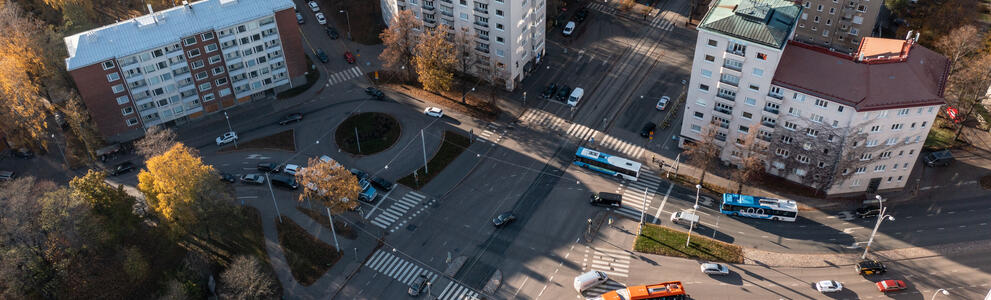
[891, 285]
[349, 57]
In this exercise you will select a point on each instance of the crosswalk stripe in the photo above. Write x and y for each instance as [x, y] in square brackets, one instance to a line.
[415, 195]
[392, 265]
[404, 277]
[402, 205]
[386, 263]
[380, 224]
[357, 72]
[375, 259]
[407, 202]
[446, 290]
[387, 216]
[402, 265]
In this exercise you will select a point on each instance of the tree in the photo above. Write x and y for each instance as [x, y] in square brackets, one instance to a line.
[245, 279]
[330, 183]
[157, 140]
[959, 45]
[400, 40]
[21, 69]
[135, 264]
[180, 189]
[80, 123]
[112, 206]
[174, 290]
[934, 19]
[435, 58]
[703, 153]
[751, 164]
[466, 57]
[970, 86]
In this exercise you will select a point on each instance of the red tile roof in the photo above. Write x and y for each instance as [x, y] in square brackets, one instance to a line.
[891, 74]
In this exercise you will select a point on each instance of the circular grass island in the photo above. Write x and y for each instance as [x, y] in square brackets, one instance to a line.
[376, 132]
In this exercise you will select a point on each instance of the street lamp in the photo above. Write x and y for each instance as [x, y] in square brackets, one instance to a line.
[229, 128]
[880, 218]
[698, 190]
[346, 15]
[945, 293]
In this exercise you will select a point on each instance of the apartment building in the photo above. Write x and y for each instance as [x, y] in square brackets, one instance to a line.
[837, 24]
[182, 63]
[507, 35]
[835, 122]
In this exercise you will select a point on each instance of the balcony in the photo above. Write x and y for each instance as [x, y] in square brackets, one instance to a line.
[728, 112]
[732, 66]
[481, 10]
[483, 50]
[741, 53]
[428, 6]
[730, 82]
[768, 124]
[776, 96]
[726, 96]
[721, 137]
[447, 1]
[430, 22]
[721, 124]
[764, 138]
[482, 24]
[771, 110]
[483, 38]
[447, 14]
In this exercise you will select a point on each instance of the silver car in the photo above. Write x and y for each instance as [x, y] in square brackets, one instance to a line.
[714, 269]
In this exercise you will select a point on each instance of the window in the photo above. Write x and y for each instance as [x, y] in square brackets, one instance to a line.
[113, 77]
[216, 58]
[821, 164]
[218, 70]
[787, 139]
[791, 126]
[704, 88]
[206, 36]
[750, 101]
[224, 92]
[917, 139]
[832, 10]
[897, 126]
[706, 73]
[903, 111]
[501, 53]
[923, 125]
[713, 43]
[499, 26]
[211, 48]
[699, 115]
[800, 172]
[802, 159]
[875, 128]
[755, 88]
[123, 99]
[861, 8]
[710, 58]
[748, 116]
[866, 156]
[499, 12]
[204, 87]
[221, 81]
[193, 53]
[464, 16]
[880, 168]
[118, 88]
[782, 152]
[860, 170]
[816, 19]
[821, 103]
[816, 118]
[761, 56]
[744, 129]
[758, 72]
[819, 8]
[500, 40]
[132, 121]
[811, 132]
[794, 112]
[892, 141]
[884, 155]
[894, 167]
[871, 143]
[854, 31]
[912, 126]
[198, 64]
[696, 128]
[700, 102]
[829, 22]
[107, 65]
[209, 97]
[839, 108]
[127, 110]
[201, 75]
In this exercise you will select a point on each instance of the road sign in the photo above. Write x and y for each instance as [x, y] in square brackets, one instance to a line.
[952, 112]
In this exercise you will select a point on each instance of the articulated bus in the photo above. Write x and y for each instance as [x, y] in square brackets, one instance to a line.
[759, 207]
[672, 290]
[605, 163]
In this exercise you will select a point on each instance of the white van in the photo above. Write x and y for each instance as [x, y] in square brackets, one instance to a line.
[680, 217]
[576, 95]
[589, 280]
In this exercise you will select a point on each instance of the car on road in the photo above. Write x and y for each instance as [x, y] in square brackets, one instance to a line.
[284, 181]
[549, 91]
[576, 95]
[228, 137]
[648, 129]
[122, 168]
[503, 219]
[870, 267]
[714, 269]
[313, 6]
[349, 57]
[332, 33]
[581, 14]
[589, 280]
[375, 93]
[322, 56]
[268, 167]
[293, 117]
[829, 286]
[569, 28]
[291, 169]
[663, 103]
[382, 183]
[6, 175]
[563, 93]
[890, 285]
[227, 177]
[321, 19]
[868, 211]
[416, 287]
[299, 18]
[358, 173]
[434, 112]
[252, 179]
[939, 158]
[24, 153]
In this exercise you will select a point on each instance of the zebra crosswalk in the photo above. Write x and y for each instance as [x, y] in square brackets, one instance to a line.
[343, 76]
[614, 262]
[631, 151]
[397, 267]
[662, 23]
[542, 118]
[602, 7]
[635, 200]
[456, 291]
[491, 133]
[398, 209]
[582, 132]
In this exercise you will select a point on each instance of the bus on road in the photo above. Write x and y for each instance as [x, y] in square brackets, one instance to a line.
[605, 163]
[759, 207]
[672, 290]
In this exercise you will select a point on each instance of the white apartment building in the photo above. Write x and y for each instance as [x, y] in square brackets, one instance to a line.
[508, 35]
[834, 122]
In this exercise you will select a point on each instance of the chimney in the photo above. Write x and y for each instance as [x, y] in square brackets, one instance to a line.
[909, 35]
[150, 11]
[916, 36]
[861, 58]
[186, 4]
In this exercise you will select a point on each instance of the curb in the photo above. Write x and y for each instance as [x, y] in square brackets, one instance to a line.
[753, 256]
[455, 266]
[494, 282]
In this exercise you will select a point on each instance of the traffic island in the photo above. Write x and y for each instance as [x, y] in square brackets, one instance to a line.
[285, 140]
[655, 239]
[307, 256]
[342, 228]
[986, 182]
[367, 133]
[450, 149]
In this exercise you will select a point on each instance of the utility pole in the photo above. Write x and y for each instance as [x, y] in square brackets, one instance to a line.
[698, 189]
[642, 212]
[357, 139]
[880, 218]
[423, 142]
[273, 196]
[334, 234]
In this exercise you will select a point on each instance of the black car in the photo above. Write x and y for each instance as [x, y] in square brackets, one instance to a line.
[284, 181]
[563, 93]
[268, 167]
[549, 91]
[416, 287]
[647, 129]
[503, 219]
[24, 153]
[380, 182]
[122, 168]
[332, 33]
[358, 173]
[293, 117]
[868, 211]
[870, 267]
[227, 177]
[375, 93]
[581, 14]
[322, 56]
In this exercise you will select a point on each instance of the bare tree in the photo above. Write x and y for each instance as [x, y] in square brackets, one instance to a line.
[400, 40]
[971, 86]
[245, 279]
[750, 165]
[704, 152]
[435, 59]
[174, 290]
[466, 57]
[960, 44]
[157, 140]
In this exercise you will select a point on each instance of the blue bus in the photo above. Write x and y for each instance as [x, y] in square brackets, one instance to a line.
[759, 207]
[605, 163]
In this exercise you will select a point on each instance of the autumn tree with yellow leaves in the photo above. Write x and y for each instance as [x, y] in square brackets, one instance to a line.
[22, 66]
[435, 60]
[330, 183]
[181, 190]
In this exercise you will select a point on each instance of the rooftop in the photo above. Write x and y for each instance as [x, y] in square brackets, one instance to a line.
[766, 22]
[890, 74]
[164, 27]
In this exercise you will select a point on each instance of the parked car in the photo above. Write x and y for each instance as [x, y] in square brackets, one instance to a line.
[416, 287]
[581, 14]
[284, 181]
[939, 158]
[6, 175]
[322, 56]
[647, 129]
[563, 93]
[332, 33]
[663, 103]
[714, 269]
[829, 286]
[569, 28]
[228, 137]
[122, 168]
[890, 285]
[268, 167]
[299, 18]
[870, 267]
[24, 153]
[348, 57]
[503, 219]
[434, 112]
[227, 177]
[358, 173]
[252, 179]
[549, 91]
[321, 19]
[291, 169]
[380, 182]
[313, 6]
[293, 117]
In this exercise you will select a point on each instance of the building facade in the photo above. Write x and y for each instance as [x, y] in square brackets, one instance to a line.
[837, 24]
[182, 63]
[834, 122]
[506, 36]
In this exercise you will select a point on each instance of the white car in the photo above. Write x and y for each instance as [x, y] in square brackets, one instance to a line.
[829, 286]
[321, 19]
[714, 269]
[434, 112]
[252, 179]
[313, 6]
[291, 169]
[569, 28]
[228, 137]
[663, 103]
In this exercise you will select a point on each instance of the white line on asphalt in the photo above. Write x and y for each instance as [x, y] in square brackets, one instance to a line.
[657, 215]
[521, 286]
[247, 197]
[384, 197]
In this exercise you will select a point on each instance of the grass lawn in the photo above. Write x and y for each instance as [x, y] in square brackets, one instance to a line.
[665, 241]
[452, 146]
[939, 137]
[343, 229]
[280, 141]
[308, 257]
[376, 132]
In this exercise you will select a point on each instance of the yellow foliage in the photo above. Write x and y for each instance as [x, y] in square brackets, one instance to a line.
[21, 68]
[177, 184]
[435, 60]
[330, 183]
